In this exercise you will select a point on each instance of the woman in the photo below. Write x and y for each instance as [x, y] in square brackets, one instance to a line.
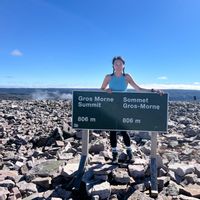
[118, 81]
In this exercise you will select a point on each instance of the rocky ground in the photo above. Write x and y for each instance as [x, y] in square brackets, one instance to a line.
[40, 155]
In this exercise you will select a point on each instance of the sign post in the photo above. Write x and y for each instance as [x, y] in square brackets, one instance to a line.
[153, 165]
[84, 158]
[99, 110]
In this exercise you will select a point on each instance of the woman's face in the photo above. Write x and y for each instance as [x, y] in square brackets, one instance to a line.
[118, 66]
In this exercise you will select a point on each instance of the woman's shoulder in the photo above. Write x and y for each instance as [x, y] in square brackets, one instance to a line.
[127, 75]
[108, 76]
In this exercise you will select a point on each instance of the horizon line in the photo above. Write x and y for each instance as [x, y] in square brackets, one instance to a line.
[71, 88]
[147, 86]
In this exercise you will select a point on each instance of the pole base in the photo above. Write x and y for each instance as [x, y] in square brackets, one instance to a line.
[154, 193]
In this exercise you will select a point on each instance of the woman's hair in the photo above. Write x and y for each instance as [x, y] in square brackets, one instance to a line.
[118, 58]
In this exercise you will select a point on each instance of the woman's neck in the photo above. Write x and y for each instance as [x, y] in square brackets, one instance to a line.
[118, 74]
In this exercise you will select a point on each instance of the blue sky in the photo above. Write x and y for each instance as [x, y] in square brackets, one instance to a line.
[71, 43]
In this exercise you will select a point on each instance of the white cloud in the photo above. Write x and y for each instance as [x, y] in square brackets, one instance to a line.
[172, 86]
[16, 52]
[196, 83]
[162, 78]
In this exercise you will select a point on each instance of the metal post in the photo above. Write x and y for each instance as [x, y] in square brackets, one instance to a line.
[153, 166]
[85, 143]
[83, 162]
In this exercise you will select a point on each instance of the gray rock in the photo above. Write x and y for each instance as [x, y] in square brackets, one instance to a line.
[43, 182]
[181, 169]
[47, 168]
[103, 190]
[190, 179]
[192, 130]
[197, 169]
[68, 131]
[162, 182]
[136, 171]
[184, 197]
[119, 190]
[174, 177]
[16, 192]
[27, 188]
[191, 190]
[69, 169]
[97, 159]
[137, 195]
[97, 146]
[172, 189]
[120, 175]
[7, 183]
[104, 169]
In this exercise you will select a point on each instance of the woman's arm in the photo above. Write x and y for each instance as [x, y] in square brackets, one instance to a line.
[133, 83]
[105, 83]
[137, 87]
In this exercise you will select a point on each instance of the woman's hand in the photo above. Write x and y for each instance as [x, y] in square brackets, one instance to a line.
[157, 91]
[108, 90]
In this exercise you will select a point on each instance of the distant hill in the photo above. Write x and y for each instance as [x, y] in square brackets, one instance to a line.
[62, 93]
[183, 95]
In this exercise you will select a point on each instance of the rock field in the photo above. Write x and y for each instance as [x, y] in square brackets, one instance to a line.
[40, 155]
